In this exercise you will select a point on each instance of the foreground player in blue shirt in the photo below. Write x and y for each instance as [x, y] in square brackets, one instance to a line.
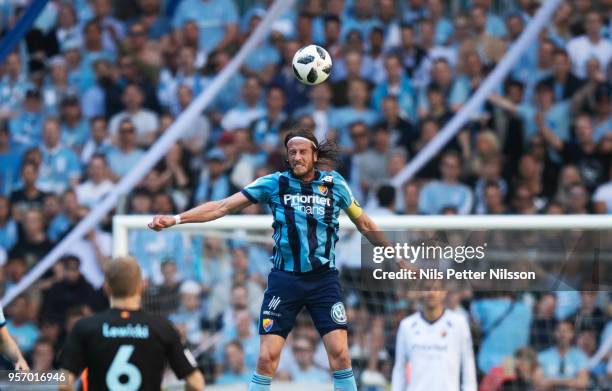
[305, 203]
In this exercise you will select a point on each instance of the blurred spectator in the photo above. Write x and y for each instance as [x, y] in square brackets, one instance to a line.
[198, 133]
[60, 168]
[33, 243]
[583, 152]
[20, 324]
[247, 334]
[504, 323]
[490, 172]
[126, 154]
[187, 74]
[403, 132]
[564, 365]
[98, 143]
[590, 45]
[155, 22]
[29, 196]
[397, 85]
[519, 372]
[306, 370]
[217, 22]
[13, 85]
[43, 355]
[494, 199]
[559, 30]
[75, 130]
[93, 190]
[589, 316]
[411, 198]
[385, 197]
[67, 218]
[487, 43]
[249, 109]
[26, 126]
[266, 129]
[213, 183]
[565, 83]
[353, 67]
[145, 121]
[544, 322]
[357, 110]
[73, 290]
[164, 298]
[439, 194]
[188, 314]
[373, 162]
[236, 371]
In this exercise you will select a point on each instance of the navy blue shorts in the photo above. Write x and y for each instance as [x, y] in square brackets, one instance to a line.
[288, 293]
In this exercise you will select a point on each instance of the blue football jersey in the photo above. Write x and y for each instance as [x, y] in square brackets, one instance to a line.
[305, 216]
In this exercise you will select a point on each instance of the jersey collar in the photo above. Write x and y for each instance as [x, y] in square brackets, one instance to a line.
[430, 322]
[316, 177]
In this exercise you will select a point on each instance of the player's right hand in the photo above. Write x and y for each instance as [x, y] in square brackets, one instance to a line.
[161, 221]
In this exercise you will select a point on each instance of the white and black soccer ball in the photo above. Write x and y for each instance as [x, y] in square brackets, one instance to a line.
[312, 64]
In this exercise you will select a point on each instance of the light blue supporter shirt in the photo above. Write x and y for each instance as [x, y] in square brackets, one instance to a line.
[562, 367]
[120, 162]
[212, 17]
[505, 329]
[437, 195]
[59, 166]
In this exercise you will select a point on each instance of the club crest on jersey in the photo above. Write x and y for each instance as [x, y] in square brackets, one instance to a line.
[267, 324]
[338, 313]
[323, 189]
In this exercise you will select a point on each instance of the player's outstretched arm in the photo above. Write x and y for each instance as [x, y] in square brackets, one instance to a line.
[194, 381]
[207, 211]
[368, 227]
[9, 348]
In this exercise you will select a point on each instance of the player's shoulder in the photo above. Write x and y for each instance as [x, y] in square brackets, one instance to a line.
[272, 176]
[410, 321]
[266, 179]
[332, 176]
[92, 322]
[454, 318]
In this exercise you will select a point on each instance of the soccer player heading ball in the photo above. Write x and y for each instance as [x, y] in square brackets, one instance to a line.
[305, 202]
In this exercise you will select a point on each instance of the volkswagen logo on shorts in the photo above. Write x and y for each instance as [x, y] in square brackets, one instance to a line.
[338, 313]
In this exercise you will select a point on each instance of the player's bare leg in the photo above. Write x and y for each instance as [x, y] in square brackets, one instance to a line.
[270, 347]
[336, 345]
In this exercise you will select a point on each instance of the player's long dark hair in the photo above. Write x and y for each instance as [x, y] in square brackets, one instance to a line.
[327, 150]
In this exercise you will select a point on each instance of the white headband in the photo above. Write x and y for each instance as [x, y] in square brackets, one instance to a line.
[302, 138]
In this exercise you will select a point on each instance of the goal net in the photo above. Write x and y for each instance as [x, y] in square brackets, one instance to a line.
[514, 278]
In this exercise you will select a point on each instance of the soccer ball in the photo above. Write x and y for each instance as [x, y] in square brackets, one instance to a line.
[312, 64]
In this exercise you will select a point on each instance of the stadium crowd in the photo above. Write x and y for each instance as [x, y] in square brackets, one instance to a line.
[95, 84]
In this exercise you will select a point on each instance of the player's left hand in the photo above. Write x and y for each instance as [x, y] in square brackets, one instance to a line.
[161, 221]
[22, 365]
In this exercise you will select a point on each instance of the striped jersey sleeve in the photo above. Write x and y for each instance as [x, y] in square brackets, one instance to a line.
[261, 188]
[344, 191]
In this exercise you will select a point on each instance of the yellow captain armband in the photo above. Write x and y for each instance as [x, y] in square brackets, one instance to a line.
[354, 210]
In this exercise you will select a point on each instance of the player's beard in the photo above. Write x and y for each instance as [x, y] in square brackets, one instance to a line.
[301, 170]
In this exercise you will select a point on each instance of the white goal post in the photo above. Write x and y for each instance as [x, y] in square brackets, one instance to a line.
[123, 223]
